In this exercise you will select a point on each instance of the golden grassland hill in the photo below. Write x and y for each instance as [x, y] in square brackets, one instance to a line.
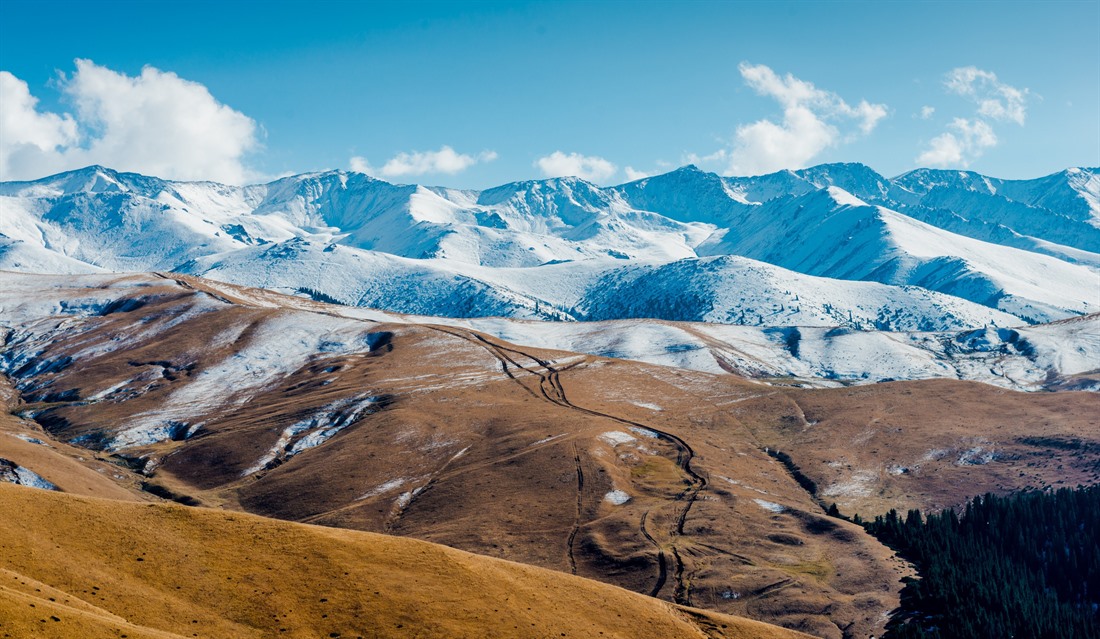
[79, 567]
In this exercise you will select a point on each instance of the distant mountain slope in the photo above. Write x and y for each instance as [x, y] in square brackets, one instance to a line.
[724, 289]
[1064, 355]
[1030, 252]
[830, 233]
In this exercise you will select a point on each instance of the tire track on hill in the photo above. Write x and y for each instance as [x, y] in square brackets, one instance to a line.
[662, 561]
[577, 519]
[552, 390]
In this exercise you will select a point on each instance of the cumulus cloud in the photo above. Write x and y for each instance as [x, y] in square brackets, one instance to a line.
[926, 112]
[965, 141]
[446, 161]
[994, 98]
[26, 134]
[360, 164]
[587, 167]
[634, 174]
[813, 120]
[968, 138]
[155, 123]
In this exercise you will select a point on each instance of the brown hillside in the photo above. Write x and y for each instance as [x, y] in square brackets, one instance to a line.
[76, 567]
[651, 478]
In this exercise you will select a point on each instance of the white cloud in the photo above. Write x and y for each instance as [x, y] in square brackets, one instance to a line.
[26, 134]
[813, 120]
[634, 174]
[966, 140]
[446, 160]
[359, 164]
[155, 123]
[994, 98]
[926, 112]
[719, 156]
[587, 167]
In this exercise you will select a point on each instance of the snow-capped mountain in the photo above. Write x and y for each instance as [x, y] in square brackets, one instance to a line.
[833, 244]
[725, 289]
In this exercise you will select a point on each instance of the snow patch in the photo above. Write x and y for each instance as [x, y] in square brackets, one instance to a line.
[770, 505]
[15, 474]
[616, 437]
[546, 440]
[319, 428]
[28, 438]
[616, 497]
[860, 484]
[645, 432]
[385, 487]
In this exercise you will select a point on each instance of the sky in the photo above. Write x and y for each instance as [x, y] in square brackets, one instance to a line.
[476, 94]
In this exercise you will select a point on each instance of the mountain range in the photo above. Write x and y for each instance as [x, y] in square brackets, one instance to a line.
[832, 245]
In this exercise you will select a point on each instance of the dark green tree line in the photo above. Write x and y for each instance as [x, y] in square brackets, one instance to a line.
[1025, 566]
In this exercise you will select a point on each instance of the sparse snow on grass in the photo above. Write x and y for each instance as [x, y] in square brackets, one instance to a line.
[976, 456]
[405, 498]
[32, 440]
[546, 440]
[383, 488]
[770, 505]
[859, 484]
[15, 474]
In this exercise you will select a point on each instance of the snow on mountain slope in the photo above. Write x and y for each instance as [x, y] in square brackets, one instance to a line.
[689, 195]
[1063, 208]
[1059, 355]
[17, 255]
[831, 234]
[107, 218]
[346, 275]
[722, 289]
[1074, 193]
[811, 221]
[1030, 358]
[1063, 355]
[737, 290]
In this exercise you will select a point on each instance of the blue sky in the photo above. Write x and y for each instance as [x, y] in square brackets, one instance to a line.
[478, 94]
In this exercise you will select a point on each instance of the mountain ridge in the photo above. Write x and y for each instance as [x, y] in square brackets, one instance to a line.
[831, 221]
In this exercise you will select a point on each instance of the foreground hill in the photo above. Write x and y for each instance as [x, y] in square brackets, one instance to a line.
[83, 568]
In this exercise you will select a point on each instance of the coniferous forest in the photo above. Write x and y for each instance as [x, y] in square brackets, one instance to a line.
[1023, 566]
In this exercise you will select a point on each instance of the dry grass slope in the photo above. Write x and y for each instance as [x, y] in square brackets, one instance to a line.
[86, 567]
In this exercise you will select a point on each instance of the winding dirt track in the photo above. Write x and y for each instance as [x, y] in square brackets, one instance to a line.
[577, 519]
[551, 389]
